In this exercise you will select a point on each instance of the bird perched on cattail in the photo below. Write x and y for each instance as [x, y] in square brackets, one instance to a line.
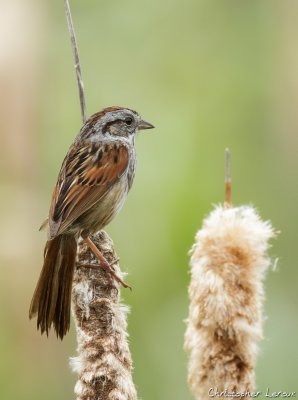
[92, 185]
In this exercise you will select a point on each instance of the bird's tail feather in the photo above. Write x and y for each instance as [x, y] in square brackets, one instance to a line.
[52, 297]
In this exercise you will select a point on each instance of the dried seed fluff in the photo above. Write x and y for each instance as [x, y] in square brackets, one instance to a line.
[228, 264]
[104, 363]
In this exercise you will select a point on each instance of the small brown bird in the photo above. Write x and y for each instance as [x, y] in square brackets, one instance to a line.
[92, 186]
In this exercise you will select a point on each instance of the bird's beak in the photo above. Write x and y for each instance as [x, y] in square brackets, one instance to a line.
[145, 125]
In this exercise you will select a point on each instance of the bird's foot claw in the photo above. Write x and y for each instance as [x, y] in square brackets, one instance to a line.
[115, 261]
[106, 266]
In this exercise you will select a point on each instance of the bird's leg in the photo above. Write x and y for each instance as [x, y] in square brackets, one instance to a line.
[103, 262]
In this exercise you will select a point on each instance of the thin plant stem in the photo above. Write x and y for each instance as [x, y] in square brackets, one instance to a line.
[75, 52]
[228, 181]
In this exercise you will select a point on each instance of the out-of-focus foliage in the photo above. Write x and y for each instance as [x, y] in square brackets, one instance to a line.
[207, 74]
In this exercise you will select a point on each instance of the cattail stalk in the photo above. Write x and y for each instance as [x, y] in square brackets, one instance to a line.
[104, 362]
[75, 52]
[228, 265]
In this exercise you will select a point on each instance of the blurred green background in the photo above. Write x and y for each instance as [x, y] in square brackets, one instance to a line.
[207, 74]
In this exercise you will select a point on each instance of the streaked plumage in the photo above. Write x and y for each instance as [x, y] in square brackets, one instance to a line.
[92, 186]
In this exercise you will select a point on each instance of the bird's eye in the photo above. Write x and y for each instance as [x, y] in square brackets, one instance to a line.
[128, 121]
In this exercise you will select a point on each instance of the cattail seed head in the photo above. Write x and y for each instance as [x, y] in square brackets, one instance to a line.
[228, 266]
[104, 362]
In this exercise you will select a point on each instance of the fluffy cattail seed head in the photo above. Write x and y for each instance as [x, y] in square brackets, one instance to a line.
[104, 362]
[228, 266]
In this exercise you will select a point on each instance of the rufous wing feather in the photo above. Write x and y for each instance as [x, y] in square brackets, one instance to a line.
[88, 172]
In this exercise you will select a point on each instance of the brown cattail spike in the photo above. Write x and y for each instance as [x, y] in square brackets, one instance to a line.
[104, 362]
[228, 265]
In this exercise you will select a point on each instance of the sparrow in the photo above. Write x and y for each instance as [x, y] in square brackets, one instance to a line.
[94, 180]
